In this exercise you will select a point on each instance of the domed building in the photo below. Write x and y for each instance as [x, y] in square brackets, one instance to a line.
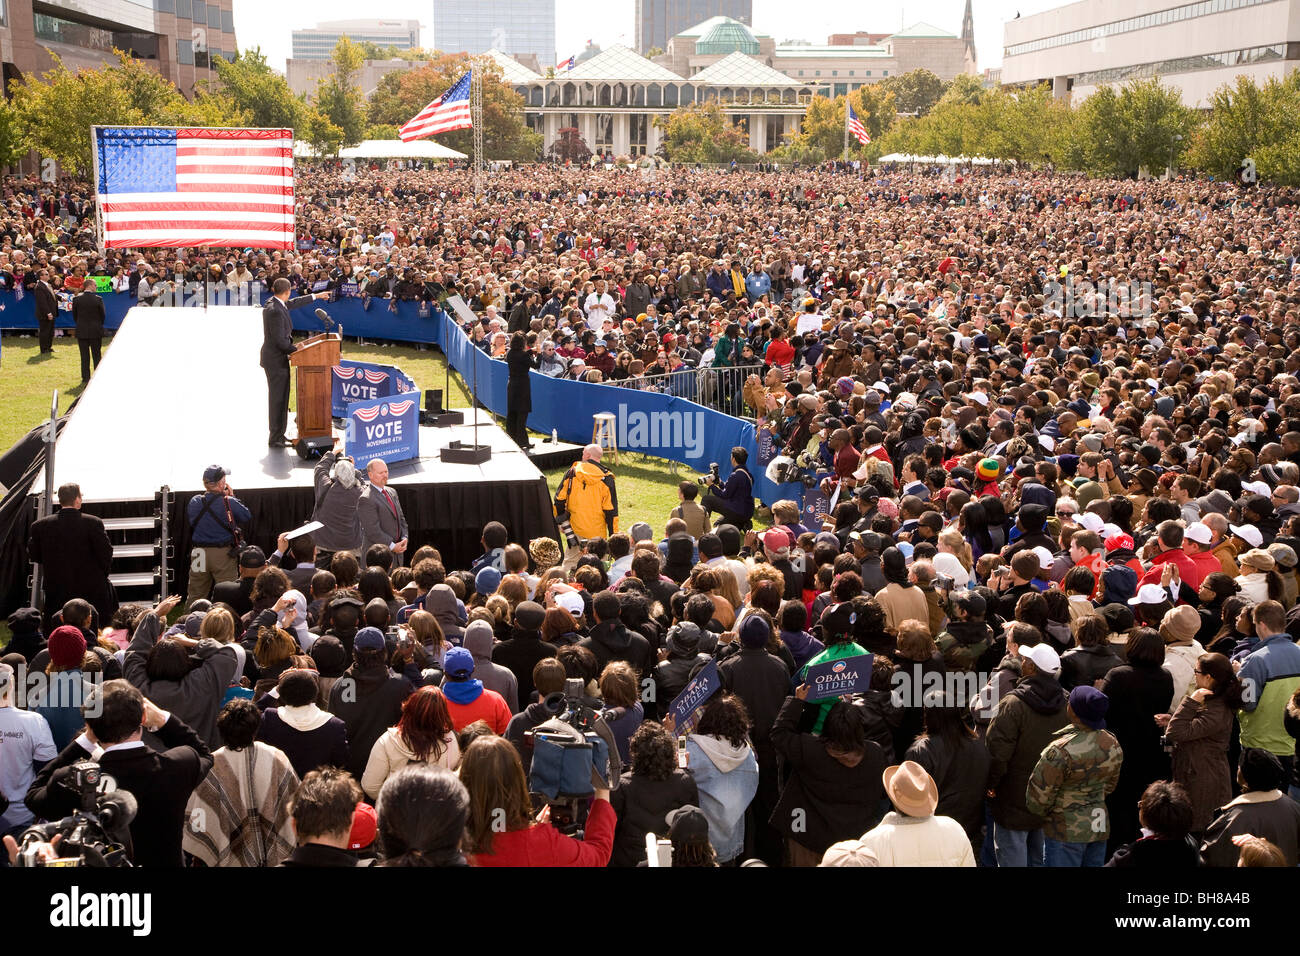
[726, 36]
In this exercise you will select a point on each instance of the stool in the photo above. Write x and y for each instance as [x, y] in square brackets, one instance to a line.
[604, 434]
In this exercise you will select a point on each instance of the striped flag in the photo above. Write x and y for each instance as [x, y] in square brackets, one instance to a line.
[856, 129]
[568, 64]
[448, 112]
[194, 187]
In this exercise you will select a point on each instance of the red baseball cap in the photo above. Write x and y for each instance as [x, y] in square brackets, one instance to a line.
[365, 826]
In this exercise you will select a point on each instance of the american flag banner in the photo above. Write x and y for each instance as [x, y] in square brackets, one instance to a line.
[194, 187]
[856, 129]
[448, 112]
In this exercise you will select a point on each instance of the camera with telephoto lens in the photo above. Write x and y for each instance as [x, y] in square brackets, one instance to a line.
[95, 834]
[712, 477]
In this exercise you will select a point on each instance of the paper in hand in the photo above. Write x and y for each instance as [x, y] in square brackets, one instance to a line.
[308, 528]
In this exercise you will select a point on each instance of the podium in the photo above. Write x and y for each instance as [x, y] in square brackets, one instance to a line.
[314, 359]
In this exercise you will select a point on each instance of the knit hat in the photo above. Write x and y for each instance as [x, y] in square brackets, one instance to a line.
[988, 469]
[330, 655]
[487, 581]
[754, 632]
[1180, 624]
[545, 553]
[1090, 705]
[67, 647]
[25, 620]
[529, 615]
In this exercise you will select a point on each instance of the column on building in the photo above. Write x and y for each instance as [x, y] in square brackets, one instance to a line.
[758, 132]
[550, 129]
[587, 126]
[1061, 87]
[653, 134]
[622, 135]
[794, 123]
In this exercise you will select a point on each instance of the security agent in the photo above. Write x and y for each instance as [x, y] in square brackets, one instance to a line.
[214, 518]
[277, 346]
[734, 501]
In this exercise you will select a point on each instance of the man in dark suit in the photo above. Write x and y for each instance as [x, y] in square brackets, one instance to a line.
[382, 520]
[277, 346]
[47, 310]
[75, 554]
[160, 780]
[88, 314]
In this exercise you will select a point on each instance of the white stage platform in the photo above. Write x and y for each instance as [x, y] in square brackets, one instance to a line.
[181, 389]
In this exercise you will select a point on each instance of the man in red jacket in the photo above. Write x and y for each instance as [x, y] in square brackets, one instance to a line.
[1169, 545]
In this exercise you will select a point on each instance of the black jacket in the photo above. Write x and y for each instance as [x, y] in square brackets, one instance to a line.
[368, 702]
[1081, 666]
[1154, 853]
[307, 750]
[317, 855]
[611, 641]
[161, 783]
[47, 303]
[960, 774]
[75, 554]
[277, 330]
[88, 313]
[762, 681]
[520, 655]
[827, 798]
[641, 805]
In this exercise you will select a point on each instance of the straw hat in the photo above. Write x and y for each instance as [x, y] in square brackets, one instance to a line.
[912, 790]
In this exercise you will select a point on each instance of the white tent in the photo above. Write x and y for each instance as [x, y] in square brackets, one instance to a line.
[939, 160]
[386, 149]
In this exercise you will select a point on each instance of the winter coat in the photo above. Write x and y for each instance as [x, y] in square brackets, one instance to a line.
[1083, 666]
[1200, 733]
[585, 492]
[1137, 693]
[828, 797]
[1026, 721]
[903, 604]
[1070, 782]
[1271, 815]
[803, 646]
[727, 779]
[611, 641]
[336, 509]
[391, 753]
[518, 656]
[1157, 854]
[762, 682]
[441, 603]
[369, 701]
[543, 845]
[935, 840]
[642, 805]
[960, 773]
[1180, 661]
[310, 737]
[478, 641]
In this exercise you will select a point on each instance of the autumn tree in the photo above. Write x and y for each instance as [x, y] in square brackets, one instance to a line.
[339, 97]
[703, 134]
[569, 147]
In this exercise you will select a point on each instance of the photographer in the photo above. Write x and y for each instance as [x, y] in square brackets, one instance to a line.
[338, 494]
[214, 518]
[734, 501]
[160, 780]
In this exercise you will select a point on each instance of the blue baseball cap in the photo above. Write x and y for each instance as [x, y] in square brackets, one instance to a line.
[458, 664]
[369, 639]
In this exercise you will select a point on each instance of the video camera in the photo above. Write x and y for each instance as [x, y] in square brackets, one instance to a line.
[570, 758]
[95, 834]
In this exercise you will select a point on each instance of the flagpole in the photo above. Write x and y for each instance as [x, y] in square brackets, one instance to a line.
[846, 127]
[476, 117]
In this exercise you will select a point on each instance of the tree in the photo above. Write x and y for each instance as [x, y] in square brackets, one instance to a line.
[653, 52]
[1141, 125]
[915, 91]
[569, 147]
[822, 132]
[1252, 121]
[401, 95]
[318, 132]
[259, 92]
[963, 88]
[703, 134]
[339, 97]
[382, 131]
[12, 147]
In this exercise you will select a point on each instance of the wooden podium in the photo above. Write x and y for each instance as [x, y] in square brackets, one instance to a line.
[314, 359]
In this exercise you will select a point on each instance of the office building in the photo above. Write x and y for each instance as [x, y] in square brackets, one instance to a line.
[1196, 47]
[319, 42]
[658, 21]
[179, 38]
[515, 27]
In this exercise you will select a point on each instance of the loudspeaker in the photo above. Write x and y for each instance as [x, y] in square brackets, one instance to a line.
[461, 454]
[433, 401]
[309, 448]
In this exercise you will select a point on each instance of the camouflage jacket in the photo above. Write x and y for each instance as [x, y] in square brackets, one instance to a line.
[1070, 782]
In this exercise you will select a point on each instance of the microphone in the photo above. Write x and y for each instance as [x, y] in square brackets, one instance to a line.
[325, 318]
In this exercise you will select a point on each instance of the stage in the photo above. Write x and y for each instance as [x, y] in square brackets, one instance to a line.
[181, 389]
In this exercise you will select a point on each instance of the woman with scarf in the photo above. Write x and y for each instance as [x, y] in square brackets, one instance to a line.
[310, 737]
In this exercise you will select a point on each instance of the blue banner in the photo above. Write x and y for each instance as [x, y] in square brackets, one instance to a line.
[766, 446]
[685, 709]
[363, 382]
[849, 675]
[815, 503]
[387, 428]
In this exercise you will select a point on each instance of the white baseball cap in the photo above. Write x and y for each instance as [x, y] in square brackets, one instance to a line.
[571, 601]
[1258, 487]
[1044, 658]
[1150, 594]
[1045, 558]
[1090, 520]
[1199, 533]
[1248, 533]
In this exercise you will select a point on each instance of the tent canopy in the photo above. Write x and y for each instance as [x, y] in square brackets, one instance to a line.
[939, 160]
[386, 149]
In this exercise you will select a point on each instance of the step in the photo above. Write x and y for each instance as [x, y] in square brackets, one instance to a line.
[134, 550]
[141, 579]
[129, 524]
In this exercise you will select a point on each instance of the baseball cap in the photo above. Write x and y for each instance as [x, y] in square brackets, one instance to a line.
[459, 663]
[214, 473]
[572, 602]
[687, 824]
[1199, 533]
[368, 639]
[1119, 542]
[1149, 594]
[775, 540]
[1248, 533]
[365, 826]
[1044, 658]
[1089, 520]
[1045, 557]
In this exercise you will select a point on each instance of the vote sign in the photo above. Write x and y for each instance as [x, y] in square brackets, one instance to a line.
[363, 382]
[387, 428]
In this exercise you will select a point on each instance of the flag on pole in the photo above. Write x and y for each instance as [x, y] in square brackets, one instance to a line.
[857, 129]
[448, 112]
[194, 187]
[568, 64]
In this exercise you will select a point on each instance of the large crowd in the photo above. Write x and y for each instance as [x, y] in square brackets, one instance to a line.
[1059, 422]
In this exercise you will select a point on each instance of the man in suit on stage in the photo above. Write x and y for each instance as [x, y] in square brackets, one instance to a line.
[75, 554]
[161, 779]
[382, 520]
[88, 314]
[47, 310]
[277, 346]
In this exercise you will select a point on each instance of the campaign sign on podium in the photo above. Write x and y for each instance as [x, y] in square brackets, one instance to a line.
[363, 381]
[387, 428]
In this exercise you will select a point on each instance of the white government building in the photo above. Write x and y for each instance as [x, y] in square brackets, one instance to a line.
[1197, 47]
